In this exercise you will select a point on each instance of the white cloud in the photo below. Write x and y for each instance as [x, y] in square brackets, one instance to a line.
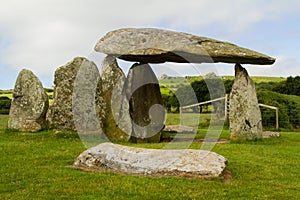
[283, 67]
[43, 35]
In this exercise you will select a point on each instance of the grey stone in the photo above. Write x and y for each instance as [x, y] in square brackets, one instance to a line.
[116, 121]
[270, 134]
[87, 102]
[154, 162]
[179, 129]
[29, 104]
[244, 114]
[145, 104]
[60, 115]
[149, 45]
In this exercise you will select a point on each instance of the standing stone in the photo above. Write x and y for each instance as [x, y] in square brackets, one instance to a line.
[116, 121]
[29, 105]
[87, 104]
[244, 115]
[60, 114]
[145, 104]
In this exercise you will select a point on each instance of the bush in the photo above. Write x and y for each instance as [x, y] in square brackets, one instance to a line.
[5, 103]
[290, 86]
[49, 89]
[289, 105]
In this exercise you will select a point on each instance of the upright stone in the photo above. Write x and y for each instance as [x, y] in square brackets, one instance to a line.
[116, 121]
[29, 105]
[145, 104]
[60, 114]
[244, 116]
[87, 104]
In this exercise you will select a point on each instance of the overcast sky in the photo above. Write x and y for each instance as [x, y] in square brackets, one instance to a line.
[42, 35]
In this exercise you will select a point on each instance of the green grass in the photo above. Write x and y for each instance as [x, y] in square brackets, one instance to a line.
[259, 79]
[35, 166]
[165, 90]
[175, 82]
[188, 118]
[9, 95]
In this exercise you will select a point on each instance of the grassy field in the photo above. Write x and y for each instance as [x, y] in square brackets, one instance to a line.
[260, 79]
[6, 95]
[35, 166]
[9, 95]
[174, 82]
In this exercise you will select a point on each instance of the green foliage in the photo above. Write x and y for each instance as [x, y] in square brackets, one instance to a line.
[5, 103]
[171, 102]
[228, 85]
[49, 90]
[6, 92]
[290, 86]
[196, 92]
[289, 106]
[186, 95]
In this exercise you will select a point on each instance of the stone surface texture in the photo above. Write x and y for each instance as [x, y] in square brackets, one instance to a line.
[150, 45]
[145, 104]
[244, 115]
[87, 102]
[179, 129]
[270, 134]
[116, 121]
[60, 114]
[155, 162]
[29, 104]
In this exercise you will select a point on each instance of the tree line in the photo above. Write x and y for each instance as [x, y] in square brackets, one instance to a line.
[284, 94]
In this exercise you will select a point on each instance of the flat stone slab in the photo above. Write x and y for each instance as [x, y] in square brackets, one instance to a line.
[150, 45]
[155, 162]
[270, 134]
[179, 129]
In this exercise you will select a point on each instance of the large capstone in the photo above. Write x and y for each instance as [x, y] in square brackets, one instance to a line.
[244, 115]
[116, 121]
[145, 104]
[150, 45]
[60, 115]
[29, 104]
[155, 162]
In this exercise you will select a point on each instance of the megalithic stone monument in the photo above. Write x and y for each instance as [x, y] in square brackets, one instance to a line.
[150, 45]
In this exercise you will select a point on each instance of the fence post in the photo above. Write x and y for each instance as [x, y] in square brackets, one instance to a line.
[277, 118]
[180, 115]
[226, 113]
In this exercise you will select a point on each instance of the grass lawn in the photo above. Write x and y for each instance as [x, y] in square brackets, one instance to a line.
[34, 166]
[6, 95]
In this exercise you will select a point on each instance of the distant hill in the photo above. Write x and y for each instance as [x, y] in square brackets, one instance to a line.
[175, 82]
